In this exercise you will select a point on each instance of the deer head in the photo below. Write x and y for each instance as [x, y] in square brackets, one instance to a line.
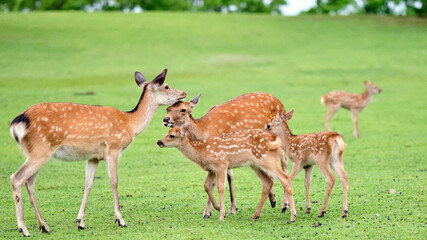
[174, 137]
[179, 113]
[278, 124]
[372, 87]
[161, 92]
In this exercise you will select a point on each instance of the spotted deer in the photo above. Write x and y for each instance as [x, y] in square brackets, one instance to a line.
[253, 147]
[70, 131]
[248, 111]
[352, 101]
[323, 149]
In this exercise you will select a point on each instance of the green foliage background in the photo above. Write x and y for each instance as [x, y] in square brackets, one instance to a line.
[50, 57]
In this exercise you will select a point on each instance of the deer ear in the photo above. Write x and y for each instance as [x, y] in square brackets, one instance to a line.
[195, 100]
[159, 79]
[288, 115]
[280, 115]
[184, 129]
[365, 82]
[139, 79]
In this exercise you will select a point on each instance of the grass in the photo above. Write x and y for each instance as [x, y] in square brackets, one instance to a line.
[48, 57]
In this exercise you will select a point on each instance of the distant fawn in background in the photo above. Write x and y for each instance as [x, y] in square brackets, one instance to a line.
[71, 132]
[351, 101]
[323, 149]
[248, 111]
[253, 147]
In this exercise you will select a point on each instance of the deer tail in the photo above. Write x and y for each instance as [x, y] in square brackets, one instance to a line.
[275, 144]
[322, 100]
[341, 143]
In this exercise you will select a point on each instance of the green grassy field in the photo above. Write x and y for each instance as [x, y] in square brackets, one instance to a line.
[50, 57]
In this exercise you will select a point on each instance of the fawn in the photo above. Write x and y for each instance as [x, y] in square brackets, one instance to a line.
[70, 132]
[253, 147]
[351, 101]
[322, 148]
[247, 111]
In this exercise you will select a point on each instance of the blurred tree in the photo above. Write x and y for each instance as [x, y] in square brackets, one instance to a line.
[325, 7]
[412, 7]
[265, 6]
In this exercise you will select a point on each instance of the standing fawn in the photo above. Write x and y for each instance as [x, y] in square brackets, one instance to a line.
[322, 148]
[254, 147]
[351, 101]
[70, 132]
[248, 111]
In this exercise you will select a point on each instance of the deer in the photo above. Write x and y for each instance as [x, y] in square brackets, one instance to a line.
[70, 131]
[323, 149]
[252, 147]
[351, 101]
[247, 111]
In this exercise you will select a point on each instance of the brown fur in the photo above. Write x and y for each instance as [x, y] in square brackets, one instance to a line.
[252, 147]
[306, 150]
[248, 111]
[72, 131]
[351, 101]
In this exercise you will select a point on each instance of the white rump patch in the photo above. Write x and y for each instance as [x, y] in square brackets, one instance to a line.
[18, 131]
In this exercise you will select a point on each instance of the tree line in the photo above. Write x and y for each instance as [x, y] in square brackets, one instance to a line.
[383, 7]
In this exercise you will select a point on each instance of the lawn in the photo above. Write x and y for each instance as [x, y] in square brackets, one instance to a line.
[51, 57]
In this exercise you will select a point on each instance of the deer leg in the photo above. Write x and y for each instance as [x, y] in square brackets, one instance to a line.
[338, 167]
[330, 179]
[284, 165]
[91, 166]
[30, 184]
[267, 184]
[273, 168]
[18, 179]
[220, 176]
[331, 111]
[307, 179]
[233, 206]
[286, 182]
[355, 123]
[209, 187]
[295, 170]
[112, 160]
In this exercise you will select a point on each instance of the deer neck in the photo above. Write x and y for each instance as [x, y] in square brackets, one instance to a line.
[366, 96]
[189, 150]
[195, 128]
[287, 137]
[143, 112]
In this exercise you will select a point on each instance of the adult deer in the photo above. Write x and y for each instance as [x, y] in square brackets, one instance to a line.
[352, 101]
[72, 131]
[322, 148]
[252, 147]
[247, 111]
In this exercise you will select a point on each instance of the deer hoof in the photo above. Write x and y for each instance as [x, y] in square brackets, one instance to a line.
[24, 232]
[344, 214]
[273, 204]
[44, 229]
[206, 216]
[307, 210]
[289, 222]
[322, 213]
[120, 224]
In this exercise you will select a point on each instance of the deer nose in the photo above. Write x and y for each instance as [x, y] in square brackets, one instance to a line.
[166, 119]
[160, 143]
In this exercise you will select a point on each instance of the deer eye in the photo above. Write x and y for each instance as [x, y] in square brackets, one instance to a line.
[167, 87]
[183, 110]
[268, 126]
[172, 136]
